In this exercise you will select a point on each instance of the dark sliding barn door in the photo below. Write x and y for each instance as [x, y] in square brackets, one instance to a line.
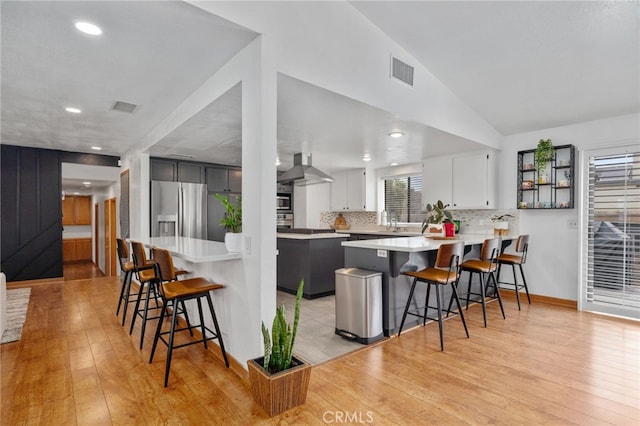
[30, 203]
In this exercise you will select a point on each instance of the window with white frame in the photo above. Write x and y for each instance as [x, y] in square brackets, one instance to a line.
[403, 197]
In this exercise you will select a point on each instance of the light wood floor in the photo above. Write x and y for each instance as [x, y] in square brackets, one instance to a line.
[545, 365]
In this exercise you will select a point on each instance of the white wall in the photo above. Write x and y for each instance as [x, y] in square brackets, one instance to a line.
[249, 296]
[139, 168]
[309, 202]
[553, 261]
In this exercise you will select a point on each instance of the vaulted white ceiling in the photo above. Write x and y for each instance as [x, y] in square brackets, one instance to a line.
[524, 65]
[520, 65]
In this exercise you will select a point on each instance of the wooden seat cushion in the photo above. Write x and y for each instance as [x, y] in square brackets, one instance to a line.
[510, 258]
[477, 265]
[147, 275]
[189, 287]
[127, 266]
[434, 275]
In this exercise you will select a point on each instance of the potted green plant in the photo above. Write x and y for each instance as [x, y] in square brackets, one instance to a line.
[500, 224]
[543, 155]
[436, 216]
[280, 380]
[232, 222]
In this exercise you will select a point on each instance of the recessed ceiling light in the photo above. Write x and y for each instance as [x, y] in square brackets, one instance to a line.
[76, 193]
[96, 148]
[366, 157]
[73, 110]
[277, 161]
[88, 28]
[86, 183]
[393, 164]
[396, 134]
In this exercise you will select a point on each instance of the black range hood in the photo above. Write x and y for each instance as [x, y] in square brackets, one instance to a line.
[303, 173]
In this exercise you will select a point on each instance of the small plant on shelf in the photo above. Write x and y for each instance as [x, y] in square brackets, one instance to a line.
[543, 155]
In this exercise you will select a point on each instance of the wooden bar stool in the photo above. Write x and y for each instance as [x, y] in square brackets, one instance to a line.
[520, 258]
[174, 292]
[128, 268]
[146, 274]
[485, 267]
[445, 272]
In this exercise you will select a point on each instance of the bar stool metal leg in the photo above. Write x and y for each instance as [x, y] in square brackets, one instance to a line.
[483, 299]
[426, 305]
[455, 294]
[495, 284]
[406, 308]
[439, 316]
[524, 281]
[515, 281]
[125, 287]
[217, 328]
[136, 307]
[174, 320]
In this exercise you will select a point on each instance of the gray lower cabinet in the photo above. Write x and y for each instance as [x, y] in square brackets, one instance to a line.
[314, 260]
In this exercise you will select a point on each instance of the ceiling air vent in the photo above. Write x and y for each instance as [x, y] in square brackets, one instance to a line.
[180, 155]
[401, 71]
[124, 107]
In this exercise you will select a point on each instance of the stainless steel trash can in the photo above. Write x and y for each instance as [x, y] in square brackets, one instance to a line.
[359, 305]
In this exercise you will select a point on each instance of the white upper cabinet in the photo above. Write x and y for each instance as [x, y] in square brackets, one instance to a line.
[436, 180]
[348, 191]
[462, 181]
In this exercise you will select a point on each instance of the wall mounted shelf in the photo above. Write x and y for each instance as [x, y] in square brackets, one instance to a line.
[553, 188]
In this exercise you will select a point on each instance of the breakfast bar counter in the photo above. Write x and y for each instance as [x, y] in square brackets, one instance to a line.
[192, 249]
[392, 257]
[211, 260]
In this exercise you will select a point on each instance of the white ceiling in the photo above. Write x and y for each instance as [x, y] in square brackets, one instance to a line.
[524, 65]
[520, 65]
[153, 54]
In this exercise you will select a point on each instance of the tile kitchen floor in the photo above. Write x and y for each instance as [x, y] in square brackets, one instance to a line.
[316, 340]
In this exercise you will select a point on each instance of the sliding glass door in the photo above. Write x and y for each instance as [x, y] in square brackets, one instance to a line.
[611, 232]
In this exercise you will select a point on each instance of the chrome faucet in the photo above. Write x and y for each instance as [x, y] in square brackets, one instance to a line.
[394, 221]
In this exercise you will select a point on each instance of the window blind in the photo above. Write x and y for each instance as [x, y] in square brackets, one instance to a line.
[403, 196]
[613, 252]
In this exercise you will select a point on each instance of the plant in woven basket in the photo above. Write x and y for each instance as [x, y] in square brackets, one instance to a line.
[278, 345]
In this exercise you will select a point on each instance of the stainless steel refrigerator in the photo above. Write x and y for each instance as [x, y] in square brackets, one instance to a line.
[178, 209]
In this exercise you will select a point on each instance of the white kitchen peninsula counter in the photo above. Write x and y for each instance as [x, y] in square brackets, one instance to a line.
[393, 256]
[192, 249]
[417, 244]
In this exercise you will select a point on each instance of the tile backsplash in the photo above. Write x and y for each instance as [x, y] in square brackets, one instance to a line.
[354, 219]
[470, 220]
